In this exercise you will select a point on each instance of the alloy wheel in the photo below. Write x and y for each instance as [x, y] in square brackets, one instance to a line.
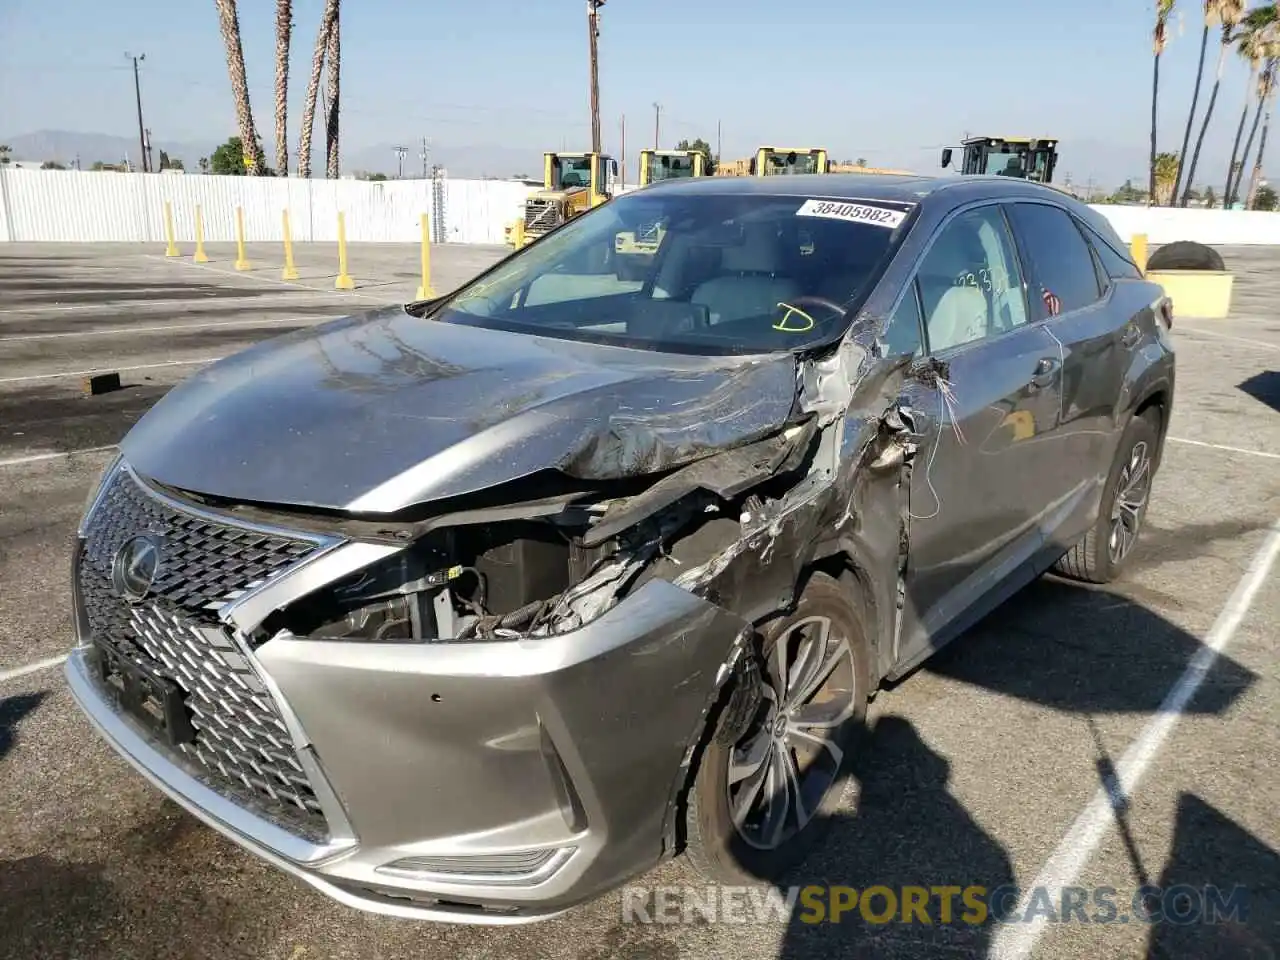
[790, 756]
[1133, 487]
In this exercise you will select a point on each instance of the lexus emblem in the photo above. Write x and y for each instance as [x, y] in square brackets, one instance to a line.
[135, 567]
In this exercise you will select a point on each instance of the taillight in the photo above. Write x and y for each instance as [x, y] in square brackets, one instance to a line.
[1166, 313]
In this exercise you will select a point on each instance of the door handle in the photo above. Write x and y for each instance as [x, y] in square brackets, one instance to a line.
[1045, 371]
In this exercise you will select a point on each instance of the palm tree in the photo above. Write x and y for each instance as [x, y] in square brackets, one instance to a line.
[1210, 19]
[1269, 97]
[313, 89]
[1163, 9]
[229, 23]
[1253, 43]
[284, 31]
[1166, 168]
[1229, 14]
[333, 53]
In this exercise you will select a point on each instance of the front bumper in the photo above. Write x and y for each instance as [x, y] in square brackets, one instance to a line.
[505, 780]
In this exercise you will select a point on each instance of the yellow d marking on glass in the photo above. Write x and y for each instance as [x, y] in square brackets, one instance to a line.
[783, 326]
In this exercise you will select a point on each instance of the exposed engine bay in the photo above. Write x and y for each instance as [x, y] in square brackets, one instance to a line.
[548, 553]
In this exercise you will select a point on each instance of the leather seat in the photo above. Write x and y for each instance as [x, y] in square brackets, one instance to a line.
[750, 284]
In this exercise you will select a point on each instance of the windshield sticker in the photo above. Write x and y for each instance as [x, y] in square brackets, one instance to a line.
[856, 212]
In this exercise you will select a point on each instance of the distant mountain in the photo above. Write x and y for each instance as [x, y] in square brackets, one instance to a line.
[459, 160]
[65, 146]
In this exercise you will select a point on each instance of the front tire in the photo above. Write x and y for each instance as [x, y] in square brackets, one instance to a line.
[1100, 556]
[772, 775]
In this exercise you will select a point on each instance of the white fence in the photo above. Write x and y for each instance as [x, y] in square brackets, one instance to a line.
[83, 206]
[75, 206]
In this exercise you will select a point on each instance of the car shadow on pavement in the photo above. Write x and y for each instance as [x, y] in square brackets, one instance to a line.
[12, 712]
[906, 830]
[1085, 651]
[1076, 649]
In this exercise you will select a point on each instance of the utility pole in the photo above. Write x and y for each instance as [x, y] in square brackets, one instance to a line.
[624, 150]
[718, 143]
[424, 158]
[593, 34]
[151, 163]
[400, 155]
[657, 113]
[137, 91]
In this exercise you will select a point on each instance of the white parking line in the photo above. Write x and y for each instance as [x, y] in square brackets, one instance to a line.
[157, 328]
[36, 667]
[1224, 447]
[94, 373]
[1016, 941]
[38, 457]
[1226, 336]
[291, 284]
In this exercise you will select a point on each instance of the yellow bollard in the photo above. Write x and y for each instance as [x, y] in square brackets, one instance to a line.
[242, 262]
[344, 281]
[171, 247]
[290, 272]
[425, 292]
[201, 256]
[1138, 249]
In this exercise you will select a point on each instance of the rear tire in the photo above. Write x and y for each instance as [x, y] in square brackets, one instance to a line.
[1100, 556]
[739, 829]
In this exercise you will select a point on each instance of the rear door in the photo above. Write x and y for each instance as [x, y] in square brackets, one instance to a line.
[984, 399]
[1073, 295]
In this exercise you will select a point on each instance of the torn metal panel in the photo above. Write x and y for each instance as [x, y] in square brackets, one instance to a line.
[853, 499]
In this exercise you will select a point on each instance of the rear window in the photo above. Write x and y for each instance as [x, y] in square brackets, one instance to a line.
[677, 270]
[1059, 254]
[1117, 267]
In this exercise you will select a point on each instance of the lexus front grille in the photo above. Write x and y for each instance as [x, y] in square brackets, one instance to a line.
[241, 746]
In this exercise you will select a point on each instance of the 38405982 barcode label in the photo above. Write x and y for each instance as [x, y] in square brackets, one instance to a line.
[855, 212]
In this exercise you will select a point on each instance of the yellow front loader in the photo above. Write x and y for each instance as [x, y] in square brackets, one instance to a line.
[657, 165]
[572, 183]
[778, 161]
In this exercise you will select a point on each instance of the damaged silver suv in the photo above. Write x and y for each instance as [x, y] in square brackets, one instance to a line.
[473, 608]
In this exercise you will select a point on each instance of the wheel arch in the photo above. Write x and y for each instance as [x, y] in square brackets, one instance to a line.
[1157, 397]
[842, 561]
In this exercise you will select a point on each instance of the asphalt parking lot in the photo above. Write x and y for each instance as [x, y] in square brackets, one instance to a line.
[981, 768]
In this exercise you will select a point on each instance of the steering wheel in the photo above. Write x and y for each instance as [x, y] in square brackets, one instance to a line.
[795, 318]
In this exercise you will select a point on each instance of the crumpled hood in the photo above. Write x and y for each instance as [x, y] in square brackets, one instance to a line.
[378, 412]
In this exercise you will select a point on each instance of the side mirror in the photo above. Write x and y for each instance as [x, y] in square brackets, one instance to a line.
[946, 156]
[613, 166]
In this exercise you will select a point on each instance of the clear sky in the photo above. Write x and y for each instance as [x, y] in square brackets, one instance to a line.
[888, 82]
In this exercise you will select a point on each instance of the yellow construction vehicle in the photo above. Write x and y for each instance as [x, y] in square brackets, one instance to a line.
[773, 161]
[1028, 158]
[656, 165]
[572, 183]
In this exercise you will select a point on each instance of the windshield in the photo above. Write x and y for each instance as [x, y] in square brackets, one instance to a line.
[572, 172]
[665, 167]
[702, 273]
[776, 162]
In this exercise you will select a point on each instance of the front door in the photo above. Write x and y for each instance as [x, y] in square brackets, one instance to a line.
[984, 400]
